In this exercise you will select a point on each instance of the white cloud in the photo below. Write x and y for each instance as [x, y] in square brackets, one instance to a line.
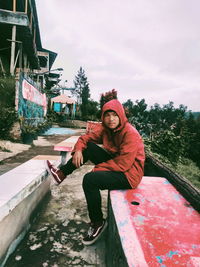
[143, 48]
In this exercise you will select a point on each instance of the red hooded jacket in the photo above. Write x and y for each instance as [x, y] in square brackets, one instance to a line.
[124, 142]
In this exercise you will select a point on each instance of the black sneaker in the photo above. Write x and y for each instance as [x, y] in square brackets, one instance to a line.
[94, 233]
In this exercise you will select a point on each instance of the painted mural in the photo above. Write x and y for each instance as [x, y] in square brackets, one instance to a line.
[32, 104]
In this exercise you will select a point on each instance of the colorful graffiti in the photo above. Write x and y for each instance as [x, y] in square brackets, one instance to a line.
[32, 94]
[32, 104]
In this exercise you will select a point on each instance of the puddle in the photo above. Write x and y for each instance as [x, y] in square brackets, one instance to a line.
[59, 131]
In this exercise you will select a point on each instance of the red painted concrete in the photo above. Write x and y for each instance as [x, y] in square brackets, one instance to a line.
[92, 125]
[163, 230]
[63, 148]
[67, 145]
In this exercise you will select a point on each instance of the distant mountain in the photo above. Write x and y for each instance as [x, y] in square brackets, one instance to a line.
[196, 114]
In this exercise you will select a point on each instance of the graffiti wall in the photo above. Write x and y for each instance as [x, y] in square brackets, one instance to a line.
[32, 104]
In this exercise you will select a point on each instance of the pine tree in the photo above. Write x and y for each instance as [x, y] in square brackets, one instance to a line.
[107, 97]
[82, 91]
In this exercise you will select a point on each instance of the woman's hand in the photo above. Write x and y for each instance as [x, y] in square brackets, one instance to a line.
[77, 159]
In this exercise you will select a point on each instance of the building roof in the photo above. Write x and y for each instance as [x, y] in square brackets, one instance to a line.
[52, 56]
[64, 99]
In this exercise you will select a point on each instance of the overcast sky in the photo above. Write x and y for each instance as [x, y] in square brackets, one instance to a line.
[143, 48]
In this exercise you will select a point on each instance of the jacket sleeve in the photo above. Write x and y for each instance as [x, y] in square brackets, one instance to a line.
[126, 157]
[95, 137]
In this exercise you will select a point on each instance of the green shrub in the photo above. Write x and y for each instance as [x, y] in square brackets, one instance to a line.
[7, 92]
[8, 118]
[7, 106]
[169, 145]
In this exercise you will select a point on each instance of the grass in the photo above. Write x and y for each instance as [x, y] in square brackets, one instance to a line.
[190, 171]
[185, 167]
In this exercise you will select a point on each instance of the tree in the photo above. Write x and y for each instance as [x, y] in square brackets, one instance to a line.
[82, 91]
[107, 97]
[167, 117]
[193, 138]
[128, 107]
[93, 110]
[169, 132]
[137, 114]
[81, 86]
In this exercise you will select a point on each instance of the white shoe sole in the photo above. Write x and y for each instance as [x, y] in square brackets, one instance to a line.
[49, 172]
[88, 243]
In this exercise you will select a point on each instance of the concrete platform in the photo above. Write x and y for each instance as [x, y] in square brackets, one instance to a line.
[22, 189]
[49, 157]
[156, 226]
[55, 237]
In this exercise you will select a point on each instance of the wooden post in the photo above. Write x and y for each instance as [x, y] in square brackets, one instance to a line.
[31, 20]
[26, 6]
[2, 68]
[25, 63]
[14, 5]
[18, 52]
[17, 95]
[12, 58]
[34, 36]
[20, 56]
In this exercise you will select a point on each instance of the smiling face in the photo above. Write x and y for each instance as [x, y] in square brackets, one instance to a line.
[111, 119]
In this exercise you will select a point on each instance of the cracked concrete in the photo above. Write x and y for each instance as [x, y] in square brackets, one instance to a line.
[54, 239]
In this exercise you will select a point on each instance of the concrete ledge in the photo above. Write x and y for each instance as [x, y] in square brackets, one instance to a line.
[19, 183]
[67, 145]
[154, 225]
[49, 157]
[21, 190]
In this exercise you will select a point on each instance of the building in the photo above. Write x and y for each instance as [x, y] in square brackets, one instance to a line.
[22, 56]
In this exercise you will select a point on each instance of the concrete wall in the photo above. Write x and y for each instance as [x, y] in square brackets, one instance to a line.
[21, 191]
[16, 224]
[114, 252]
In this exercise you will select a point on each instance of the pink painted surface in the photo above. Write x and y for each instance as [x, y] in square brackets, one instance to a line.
[163, 230]
[67, 145]
[63, 147]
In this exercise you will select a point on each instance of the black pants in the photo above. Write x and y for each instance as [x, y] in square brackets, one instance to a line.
[93, 182]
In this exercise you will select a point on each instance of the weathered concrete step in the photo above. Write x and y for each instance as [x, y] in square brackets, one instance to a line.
[21, 190]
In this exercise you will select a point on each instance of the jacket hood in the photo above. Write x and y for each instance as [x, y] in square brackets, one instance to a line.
[116, 106]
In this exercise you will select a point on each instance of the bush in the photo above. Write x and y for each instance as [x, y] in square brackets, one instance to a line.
[7, 92]
[8, 118]
[56, 117]
[169, 145]
[7, 106]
